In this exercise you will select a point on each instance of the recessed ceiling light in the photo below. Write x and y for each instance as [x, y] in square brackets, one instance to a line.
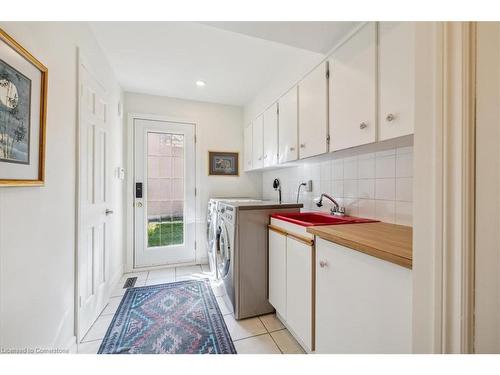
[200, 83]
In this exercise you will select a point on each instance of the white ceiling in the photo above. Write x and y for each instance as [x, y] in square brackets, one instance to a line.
[235, 59]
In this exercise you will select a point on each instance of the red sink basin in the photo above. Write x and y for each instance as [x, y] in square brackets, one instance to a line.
[310, 219]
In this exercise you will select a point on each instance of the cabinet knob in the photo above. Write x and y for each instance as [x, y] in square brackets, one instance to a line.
[302, 145]
[363, 125]
[265, 156]
[389, 117]
[260, 157]
[323, 263]
[292, 148]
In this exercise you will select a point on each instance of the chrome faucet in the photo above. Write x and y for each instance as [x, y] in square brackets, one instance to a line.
[336, 210]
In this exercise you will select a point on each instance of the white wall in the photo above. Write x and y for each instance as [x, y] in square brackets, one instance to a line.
[373, 181]
[37, 224]
[219, 128]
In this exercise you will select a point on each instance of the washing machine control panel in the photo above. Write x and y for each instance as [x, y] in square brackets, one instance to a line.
[228, 213]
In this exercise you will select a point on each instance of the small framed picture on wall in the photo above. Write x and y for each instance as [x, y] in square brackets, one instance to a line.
[223, 163]
[23, 109]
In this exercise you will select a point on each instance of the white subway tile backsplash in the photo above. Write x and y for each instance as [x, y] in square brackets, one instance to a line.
[404, 213]
[366, 208]
[338, 169]
[385, 211]
[371, 184]
[404, 189]
[351, 168]
[366, 189]
[385, 189]
[337, 188]
[350, 188]
[404, 165]
[385, 167]
[366, 167]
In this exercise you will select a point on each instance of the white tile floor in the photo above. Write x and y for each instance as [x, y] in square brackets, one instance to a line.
[260, 335]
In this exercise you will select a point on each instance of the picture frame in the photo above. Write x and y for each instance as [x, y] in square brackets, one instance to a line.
[23, 113]
[222, 163]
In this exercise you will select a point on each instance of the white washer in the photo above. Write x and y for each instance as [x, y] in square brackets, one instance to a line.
[212, 228]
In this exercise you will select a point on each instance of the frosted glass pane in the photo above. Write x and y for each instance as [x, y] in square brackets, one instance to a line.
[153, 167]
[165, 186]
[165, 166]
[178, 189]
[178, 167]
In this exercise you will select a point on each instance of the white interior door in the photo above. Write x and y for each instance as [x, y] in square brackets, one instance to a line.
[94, 229]
[164, 191]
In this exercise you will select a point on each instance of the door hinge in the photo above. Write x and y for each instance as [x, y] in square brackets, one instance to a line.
[277, 109]
[327, 73]
[328, 139]
[195, 192]
[195, 245]
[195, 139]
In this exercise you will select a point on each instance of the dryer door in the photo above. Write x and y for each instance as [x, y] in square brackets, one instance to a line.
[224, 251]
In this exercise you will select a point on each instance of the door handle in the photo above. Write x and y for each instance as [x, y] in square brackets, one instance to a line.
[109, 212]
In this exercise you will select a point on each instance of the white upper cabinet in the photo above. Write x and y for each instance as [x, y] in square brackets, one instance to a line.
[247, 138]
[258, 142]
[271, 136]
[313, 113]
[396, 79]
[353, 91]
[288, 126]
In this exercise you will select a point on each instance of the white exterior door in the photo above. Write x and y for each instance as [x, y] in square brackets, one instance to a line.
[164, 191]
[93, 178]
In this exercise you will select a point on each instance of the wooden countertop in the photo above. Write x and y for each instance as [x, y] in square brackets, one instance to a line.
[389, 242]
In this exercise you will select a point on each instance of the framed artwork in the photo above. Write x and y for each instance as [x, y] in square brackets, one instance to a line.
[23, 109]
[223, 163]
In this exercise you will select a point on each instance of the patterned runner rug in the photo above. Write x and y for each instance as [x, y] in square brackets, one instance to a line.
[178, 318]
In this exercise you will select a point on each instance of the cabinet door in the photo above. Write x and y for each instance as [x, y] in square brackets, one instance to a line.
[299, 290]
[288, 126]
[271, 136]
[277, 272]
[247, 137]
[363, 304]
[313, 113]
[353, 91]
[257, 142]
[396, 79]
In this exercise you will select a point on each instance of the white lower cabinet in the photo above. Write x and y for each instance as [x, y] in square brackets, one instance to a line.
[277, 272]
[363, 304]
[299, 292]
[291, 285]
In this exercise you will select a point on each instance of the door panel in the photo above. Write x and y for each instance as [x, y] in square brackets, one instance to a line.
[288, 127]
[352, 91]
[271, 136]
[258, 142]
[165, 214]
[313, 113]
[299, 287]
[248, 147]
[94, 238]
[396, 79]
[277, 272]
